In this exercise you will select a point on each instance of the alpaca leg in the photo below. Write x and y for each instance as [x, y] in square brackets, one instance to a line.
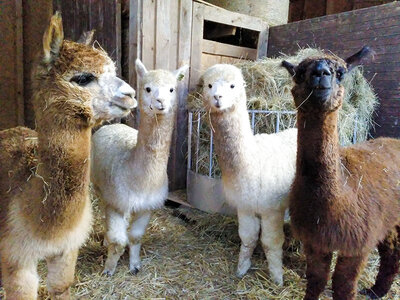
[345, 278]
[20, 282]
[116, 239]
[249, 228]
[272, 238]
[389, 251]
[136, 232]
[60, 276]
[318, 265]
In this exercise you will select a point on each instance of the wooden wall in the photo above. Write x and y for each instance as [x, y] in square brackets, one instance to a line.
[11, 68]
[22, 24]
[160, 35]
[307, 9]
[344, 34]
[104, 16]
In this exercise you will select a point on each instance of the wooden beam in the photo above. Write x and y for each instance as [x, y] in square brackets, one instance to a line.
[19, 62]
[217, 48]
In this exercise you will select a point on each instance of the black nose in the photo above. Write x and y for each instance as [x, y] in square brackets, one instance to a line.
[321, 76]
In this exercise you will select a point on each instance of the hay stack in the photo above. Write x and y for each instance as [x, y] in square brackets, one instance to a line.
[269, 88]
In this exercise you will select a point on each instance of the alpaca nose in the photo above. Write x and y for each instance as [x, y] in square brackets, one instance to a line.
[321, 76]
[161, 104]
[217, 97]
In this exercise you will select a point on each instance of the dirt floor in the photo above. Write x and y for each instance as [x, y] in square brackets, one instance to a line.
[188, 254]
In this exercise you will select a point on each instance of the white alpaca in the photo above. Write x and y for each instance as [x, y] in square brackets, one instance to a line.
[129, 167]
[257, 170]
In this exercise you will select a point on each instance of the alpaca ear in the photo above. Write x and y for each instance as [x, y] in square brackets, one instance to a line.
[364, 55]
[180, 73]
[140, 68]
[86, 38]
[290, 67]
[53, 38]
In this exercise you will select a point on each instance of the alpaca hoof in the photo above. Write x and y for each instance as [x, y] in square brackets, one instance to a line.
[242, 270]
[134, 270]
[278, 280]
[369, 293]
[108, 273]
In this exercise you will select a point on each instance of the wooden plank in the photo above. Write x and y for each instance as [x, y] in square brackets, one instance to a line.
[208, 60]
[262, 46]
[174, 33]
[19, 62]
[177, 166]
[8, 107]
[148, 33]
[338, 6]
[217, 48]
[224, 16]
[163, 33]
[135, 42]
[36, 16]
[314, 8]
[196, 45]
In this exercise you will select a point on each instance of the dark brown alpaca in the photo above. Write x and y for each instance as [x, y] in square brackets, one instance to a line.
[342, 199]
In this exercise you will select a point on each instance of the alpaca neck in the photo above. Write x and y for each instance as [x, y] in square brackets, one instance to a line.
[232, 135]
[318, 157]
[153, 143]
[63, 171]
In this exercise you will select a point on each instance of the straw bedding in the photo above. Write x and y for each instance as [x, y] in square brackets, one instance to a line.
[268, 87]
[192, 257]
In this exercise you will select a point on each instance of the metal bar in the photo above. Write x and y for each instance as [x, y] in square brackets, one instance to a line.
[289, 112]
[198, 141]
[210, 164]
[253, 121]
[190, 128]
[277, 122]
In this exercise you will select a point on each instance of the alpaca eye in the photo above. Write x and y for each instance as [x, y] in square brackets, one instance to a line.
[232, 86]
[148, 89]
[83, 79]
[171, 90]
[210, 86]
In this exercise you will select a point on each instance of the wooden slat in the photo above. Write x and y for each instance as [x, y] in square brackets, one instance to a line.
[262, 46]
[223, 16]
[19, 62]
[217, 48]
[196, 46]
[163, 33]
[135, 38]
[177, 166]
[148, 32]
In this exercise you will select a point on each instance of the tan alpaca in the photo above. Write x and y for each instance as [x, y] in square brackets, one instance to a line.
[129, 167]
[45, 211]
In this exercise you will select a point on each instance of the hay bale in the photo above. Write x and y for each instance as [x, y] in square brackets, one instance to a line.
[269, 88]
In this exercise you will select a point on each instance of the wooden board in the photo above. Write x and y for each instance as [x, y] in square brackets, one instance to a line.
[344, 34]
[11, 71]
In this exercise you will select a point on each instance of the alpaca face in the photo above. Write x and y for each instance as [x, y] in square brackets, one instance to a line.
[158, 94]
[78, 80]
[223, 88]
[96, 81]
[318, 80]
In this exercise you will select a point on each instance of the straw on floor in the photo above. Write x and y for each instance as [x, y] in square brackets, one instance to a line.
[188, 254]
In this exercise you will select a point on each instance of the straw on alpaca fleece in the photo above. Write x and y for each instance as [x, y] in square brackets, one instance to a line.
[268, 87]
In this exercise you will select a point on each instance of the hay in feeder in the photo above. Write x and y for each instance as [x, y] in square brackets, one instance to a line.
[193, 257]
[268, 87]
